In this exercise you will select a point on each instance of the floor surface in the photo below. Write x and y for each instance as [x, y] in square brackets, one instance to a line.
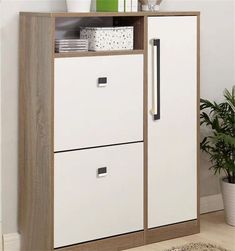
[213, 230]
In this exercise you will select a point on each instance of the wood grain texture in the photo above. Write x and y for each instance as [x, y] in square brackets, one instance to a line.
[172, 231]
[97, 53]
[21, 110]
[110, 244]
[198, 115]
[111, 14]
[145, 120]
[36, 134]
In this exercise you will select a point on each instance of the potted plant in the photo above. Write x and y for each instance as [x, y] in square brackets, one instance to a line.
[220, 146]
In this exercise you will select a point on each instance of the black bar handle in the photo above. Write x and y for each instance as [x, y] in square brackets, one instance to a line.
[157, 95]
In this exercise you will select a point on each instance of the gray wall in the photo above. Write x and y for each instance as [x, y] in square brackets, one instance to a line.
[217, 73]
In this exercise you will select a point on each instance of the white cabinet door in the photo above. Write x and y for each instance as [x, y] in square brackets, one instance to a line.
[88, 206]
[172, 140]
[91, 114]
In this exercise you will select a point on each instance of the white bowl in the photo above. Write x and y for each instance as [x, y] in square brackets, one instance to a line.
[145, 7]
[157, 7]
[78, 5]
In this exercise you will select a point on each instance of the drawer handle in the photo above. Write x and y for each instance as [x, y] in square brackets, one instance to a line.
[102, 82]
[101, 172]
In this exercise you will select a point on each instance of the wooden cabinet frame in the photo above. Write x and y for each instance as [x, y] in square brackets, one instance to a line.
[36, 133]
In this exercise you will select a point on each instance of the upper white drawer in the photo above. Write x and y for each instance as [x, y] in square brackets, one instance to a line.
[91, 114]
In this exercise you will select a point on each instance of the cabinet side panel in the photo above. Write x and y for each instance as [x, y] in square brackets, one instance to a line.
[36, 133]
[198, 113]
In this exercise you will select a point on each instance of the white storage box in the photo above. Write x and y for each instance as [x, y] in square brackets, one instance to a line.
[108, 38]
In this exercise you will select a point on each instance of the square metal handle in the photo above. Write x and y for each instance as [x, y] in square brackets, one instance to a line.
[102, 82]
[102, 172]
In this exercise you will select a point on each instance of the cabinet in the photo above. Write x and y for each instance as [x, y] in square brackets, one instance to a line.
[108, 165]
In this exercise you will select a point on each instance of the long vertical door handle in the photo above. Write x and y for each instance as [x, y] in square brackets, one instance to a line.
[156, 80]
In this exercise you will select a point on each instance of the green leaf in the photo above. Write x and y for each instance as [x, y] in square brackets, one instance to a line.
[220, 144]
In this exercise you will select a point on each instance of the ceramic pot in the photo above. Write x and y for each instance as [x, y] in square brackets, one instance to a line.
[228, 194]
[78, 5]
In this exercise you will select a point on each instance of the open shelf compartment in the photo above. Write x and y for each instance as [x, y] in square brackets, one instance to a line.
[69, 27]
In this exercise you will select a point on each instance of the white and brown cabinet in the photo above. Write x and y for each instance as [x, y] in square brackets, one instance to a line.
[108, 165]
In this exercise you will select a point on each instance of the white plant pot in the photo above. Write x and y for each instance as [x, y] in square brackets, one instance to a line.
[228, 194]
[78, 5]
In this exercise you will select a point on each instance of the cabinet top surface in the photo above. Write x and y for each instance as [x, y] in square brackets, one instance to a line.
[110, 14]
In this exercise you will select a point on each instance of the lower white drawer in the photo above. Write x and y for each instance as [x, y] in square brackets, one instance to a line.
[90, 206]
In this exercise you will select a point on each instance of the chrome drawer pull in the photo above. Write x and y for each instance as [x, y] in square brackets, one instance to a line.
[101, 172]
[102, 82]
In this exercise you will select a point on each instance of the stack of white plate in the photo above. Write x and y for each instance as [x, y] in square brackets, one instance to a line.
[70, 45]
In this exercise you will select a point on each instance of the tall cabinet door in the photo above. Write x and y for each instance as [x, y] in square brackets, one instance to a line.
[172, 120]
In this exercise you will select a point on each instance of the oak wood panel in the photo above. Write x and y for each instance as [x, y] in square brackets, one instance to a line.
[97, 53]
[172, 231]
[198, 116]
[145, 119]
[36, 134]
[21, 110]
[110, 244]
[111, 14]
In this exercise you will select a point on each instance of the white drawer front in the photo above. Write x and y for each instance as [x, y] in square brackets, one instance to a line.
[88, 207]
[88, 114]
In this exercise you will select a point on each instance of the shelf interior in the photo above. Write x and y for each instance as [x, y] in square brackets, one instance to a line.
[69, 27]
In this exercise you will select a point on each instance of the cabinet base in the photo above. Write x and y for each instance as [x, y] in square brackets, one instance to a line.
[172, 231]
[137, 239]
[110, 244]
